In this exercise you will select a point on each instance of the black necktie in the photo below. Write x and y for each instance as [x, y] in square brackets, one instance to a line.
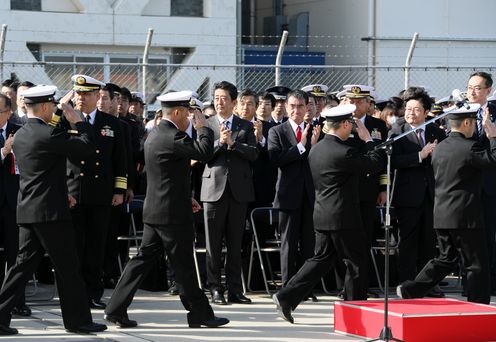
[2, 139]
[420, 138]
[480, 131]
[88, 118]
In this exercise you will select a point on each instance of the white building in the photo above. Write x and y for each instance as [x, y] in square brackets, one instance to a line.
[115, 31]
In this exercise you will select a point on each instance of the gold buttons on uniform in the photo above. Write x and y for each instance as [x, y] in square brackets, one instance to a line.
[81, 174]
[97, 151]
[96, 176]
[97, 163]
[82, 162]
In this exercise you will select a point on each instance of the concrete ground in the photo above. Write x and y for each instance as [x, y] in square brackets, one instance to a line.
[161, 317]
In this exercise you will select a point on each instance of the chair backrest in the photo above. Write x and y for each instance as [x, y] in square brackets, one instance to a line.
[264, 221]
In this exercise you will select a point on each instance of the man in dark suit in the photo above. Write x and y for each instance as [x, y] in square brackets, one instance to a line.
[97, 182]
[264, 173]
[43, 210]
[167, 213]
[458, 162]
[9, 187]
[339, 229]
[289, 145]
[227, 188]
[413, 194]
[266, 104]
[479, 87]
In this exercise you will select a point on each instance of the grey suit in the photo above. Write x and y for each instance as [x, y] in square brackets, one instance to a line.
[227, 188]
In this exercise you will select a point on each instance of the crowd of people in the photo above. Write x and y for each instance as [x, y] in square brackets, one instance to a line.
[71, 167]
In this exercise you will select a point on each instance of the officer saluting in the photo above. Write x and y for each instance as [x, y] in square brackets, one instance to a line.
[43, 210]
[168, 213]
[458, 162]
[96, 182]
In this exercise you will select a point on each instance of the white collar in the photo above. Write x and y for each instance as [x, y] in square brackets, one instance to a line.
[294, 125]
[4, 132]
[221, 120]
[92, 116]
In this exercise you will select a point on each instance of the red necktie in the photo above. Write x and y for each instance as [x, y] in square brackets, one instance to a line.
[298, 134]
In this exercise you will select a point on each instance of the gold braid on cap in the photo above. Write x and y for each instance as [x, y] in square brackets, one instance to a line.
[80, 80]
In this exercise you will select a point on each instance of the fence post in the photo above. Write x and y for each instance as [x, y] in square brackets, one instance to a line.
[409, 59]
[145, 62]
[280, 52]
[2, 48]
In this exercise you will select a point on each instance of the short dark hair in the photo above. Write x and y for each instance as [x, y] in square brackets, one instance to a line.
[418, 94]
[456, 123]
[26, 84]
[8, 101]
[248, 92]
[125, 93]
[298, 94]
[335, 124]
[266, 96]
[10, 84]
[331, 98]
[486, 76]
[110, 91]
[231, 89]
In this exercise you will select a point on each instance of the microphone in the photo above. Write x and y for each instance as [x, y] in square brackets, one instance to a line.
[460, 99]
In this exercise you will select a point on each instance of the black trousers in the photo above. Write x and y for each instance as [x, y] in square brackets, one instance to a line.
[417, 240]
[177, 241]
[331, 247]
[224, 219]
[10, 239]
[118, 225]
[91, 223]
[57, 240]
[471, 243]
[488, 208]
[297, 238]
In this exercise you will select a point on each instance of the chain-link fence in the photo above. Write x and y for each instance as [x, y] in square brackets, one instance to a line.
[201, 78]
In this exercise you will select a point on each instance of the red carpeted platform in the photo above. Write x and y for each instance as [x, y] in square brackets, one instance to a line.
[418, 320]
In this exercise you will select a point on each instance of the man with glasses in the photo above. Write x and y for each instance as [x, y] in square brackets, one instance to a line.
[479, 87]
[339, 233]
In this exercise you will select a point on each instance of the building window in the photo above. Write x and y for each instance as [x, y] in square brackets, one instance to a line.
[25, 5]
[192, 8]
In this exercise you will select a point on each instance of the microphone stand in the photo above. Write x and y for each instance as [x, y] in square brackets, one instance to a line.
[386, 332]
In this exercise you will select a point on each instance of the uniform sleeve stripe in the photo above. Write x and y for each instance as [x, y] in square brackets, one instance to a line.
[383, 179]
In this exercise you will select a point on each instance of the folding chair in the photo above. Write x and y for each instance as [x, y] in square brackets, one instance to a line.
[135, 235]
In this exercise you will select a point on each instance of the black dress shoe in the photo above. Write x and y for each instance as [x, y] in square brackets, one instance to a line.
[88, 328]
[5, 330]
[283, 310]
[122, 322]
[97, 304]
[312, 297]
[435, 292]
[173, 290]
[213, 322]
[238, 298]
[21, 310]
[218, 298]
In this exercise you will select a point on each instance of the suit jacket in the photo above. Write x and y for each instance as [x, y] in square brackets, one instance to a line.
[414, 179]
[458, 163]
[96, 178]
[264, 173]
[41, 152]
[168, 154]
[489, 176]
[9, 180]
[370, 183]
[294, 176]
[230, 164]
[336, 168]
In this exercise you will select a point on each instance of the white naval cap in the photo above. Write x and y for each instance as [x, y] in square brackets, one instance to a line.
[358, 91]
[318, 90]
[39, 94]
[463, 113]
[341, 94]
[84, 83]
[339, 113]
[182, 98]
[197, 105]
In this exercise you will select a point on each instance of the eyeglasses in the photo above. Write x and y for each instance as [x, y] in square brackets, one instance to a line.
[476, 88]
[5, 111]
